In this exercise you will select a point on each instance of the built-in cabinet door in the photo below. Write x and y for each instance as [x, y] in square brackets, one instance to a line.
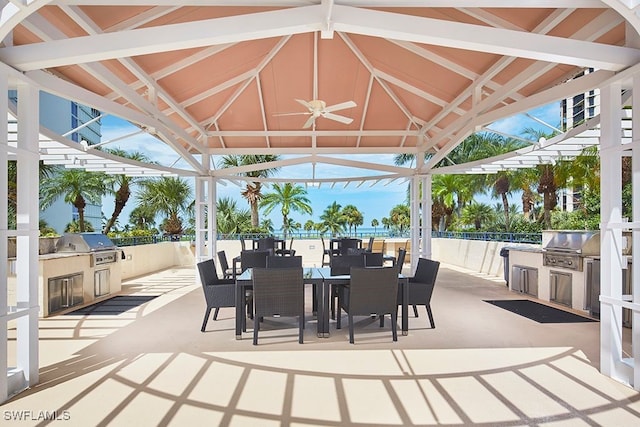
[525, 280]
[560, 287]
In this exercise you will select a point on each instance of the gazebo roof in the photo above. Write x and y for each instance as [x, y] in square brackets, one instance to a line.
[232, 77]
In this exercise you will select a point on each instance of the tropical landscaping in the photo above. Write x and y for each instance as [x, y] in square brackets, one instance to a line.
[526, 200]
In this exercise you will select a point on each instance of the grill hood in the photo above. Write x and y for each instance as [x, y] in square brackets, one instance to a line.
[84, 243]
[584, 243]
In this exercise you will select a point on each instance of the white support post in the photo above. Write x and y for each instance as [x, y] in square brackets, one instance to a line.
[27, 233]
[415, 222]
[4, 205]
[200, 218]
[611, 363]
[426, 216]
[212, 209]
[635, 273]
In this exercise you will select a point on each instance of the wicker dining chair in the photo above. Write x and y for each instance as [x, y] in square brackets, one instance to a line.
[341, 265]
[276, 261]
[421, 285]
[217, 292]
[278, 292]
[284, 251]
[227, 272]
[371, 291]
[373, 259]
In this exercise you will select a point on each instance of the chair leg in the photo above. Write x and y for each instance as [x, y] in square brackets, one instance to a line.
[206, 317]
[351, 340]
[415, 310]
[381, 320]
[394, 326]
[301, 330]
[433, 324]
[215, 313]
[256, 327]
[333, 297]
[339, 317]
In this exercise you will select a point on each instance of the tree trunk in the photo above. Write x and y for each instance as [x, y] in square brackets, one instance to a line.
[505, 206]
[79, 203]
[122, 196]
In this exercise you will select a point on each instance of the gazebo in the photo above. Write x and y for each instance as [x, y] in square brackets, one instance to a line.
[316, 79]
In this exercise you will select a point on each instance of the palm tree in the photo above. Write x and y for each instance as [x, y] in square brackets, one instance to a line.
[352, 216]
[400, 217]
[253, 191]
[309, 225]
[374, 224]
[45, 171]
[477, 214]
[123, 183]
[332, 219]
[142, 218]
[290, 198]
[170, 196]
[229, 218]
[75, 186]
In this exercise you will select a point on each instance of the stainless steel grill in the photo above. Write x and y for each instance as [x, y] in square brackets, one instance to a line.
[102, 249]
[567, 249]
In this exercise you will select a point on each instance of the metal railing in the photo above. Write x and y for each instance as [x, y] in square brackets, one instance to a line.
[535, 238]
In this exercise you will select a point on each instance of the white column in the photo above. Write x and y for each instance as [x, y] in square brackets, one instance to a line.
[4, 205]
[27, 232]
[212, 209]
[426, 204]
[200, 218]
[635, 160]
[415, 222]
[611, 235]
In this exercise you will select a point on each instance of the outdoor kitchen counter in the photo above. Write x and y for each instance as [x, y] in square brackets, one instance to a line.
[59, 265]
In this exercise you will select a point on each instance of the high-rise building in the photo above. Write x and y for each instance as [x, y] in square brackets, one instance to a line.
[79, 123]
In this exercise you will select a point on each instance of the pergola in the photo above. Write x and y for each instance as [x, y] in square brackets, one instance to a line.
[315, 79]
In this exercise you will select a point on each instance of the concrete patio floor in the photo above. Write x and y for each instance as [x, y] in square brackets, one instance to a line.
[482, 365]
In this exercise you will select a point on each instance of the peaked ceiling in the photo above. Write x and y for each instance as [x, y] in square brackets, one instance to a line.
[225, 77]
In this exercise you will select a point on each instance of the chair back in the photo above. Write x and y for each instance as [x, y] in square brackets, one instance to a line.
[278, 291]
[373, 259]
[422, 283]
[370, 244]
[275, 261]
[349, 244]
[266, 243]
[402, 253]
[427, 270]
[341, 264]
[253, 259]
[208, 273]
[373, 290]
[222, 258]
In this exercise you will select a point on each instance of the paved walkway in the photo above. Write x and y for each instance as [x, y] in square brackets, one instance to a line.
[482, 365]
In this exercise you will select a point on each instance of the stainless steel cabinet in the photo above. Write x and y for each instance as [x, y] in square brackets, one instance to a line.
[101, 279]
[560, 287]
[65, 292]
[525, 279]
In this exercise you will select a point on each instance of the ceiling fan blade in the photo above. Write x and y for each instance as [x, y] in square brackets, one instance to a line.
[291, 114]
[341, 106]
[309, 122]
[338, 118]
[305, 104]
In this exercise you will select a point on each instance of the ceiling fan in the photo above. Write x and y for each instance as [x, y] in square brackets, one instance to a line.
[318, 108]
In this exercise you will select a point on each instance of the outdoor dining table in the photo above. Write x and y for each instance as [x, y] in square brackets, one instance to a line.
[322, 280]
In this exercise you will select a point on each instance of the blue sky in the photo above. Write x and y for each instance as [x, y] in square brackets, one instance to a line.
[373, 201]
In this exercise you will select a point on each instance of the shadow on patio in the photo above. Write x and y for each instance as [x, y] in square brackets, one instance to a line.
[482, 365]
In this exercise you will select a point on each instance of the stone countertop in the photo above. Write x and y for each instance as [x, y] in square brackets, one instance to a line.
[522, 248]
